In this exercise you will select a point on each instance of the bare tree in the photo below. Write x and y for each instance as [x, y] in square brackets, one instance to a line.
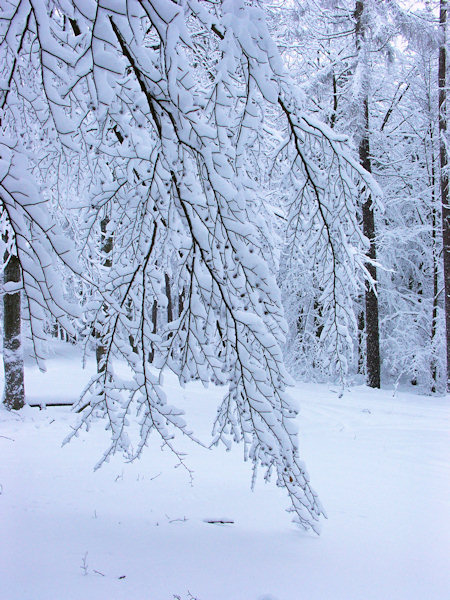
[444, 168]
[368, 217]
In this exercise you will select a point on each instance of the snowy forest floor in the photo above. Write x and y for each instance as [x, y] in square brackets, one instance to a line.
[379, 462]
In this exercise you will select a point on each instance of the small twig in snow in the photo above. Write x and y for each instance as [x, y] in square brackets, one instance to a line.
[218, 521]
[84, 565]
[183, 520]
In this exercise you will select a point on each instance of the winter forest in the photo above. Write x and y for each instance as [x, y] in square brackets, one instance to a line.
[215, 213]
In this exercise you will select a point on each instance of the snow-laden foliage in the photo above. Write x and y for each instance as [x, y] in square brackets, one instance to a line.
[29, 234]
[324, 245]
[397, 64]
[28, 230]
[412, 323]
[170, 110]
[322, 268]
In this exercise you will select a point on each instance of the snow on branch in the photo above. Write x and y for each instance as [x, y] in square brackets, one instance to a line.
[34, 239]
[171, 113]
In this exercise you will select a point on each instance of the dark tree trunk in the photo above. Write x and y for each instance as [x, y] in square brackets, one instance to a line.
[169, 299]
[335, 102]
[371, 298]
[180, 303]
[361, 336]
[436, 259]
[434, 321]
[151, 354]
[444, 173]
[106, 250]
[14, 393]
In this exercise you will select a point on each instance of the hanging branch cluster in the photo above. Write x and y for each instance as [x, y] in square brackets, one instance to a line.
[163, 106]
[28, 232]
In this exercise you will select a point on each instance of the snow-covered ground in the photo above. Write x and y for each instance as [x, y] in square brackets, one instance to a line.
[138, 531]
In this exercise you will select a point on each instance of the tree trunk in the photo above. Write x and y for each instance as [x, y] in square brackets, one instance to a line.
[14, 392]
[435, 236]
[106, 250]
[151, 354]
[181, 303]
[169, 299]
[434, 321]
[361, 338]
[443, 173]
[371, 298]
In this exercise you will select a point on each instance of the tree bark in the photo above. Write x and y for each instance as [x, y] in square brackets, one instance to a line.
[169, 299]
[371, 298]
[14, 392]
[181, 302]
[151, 354]
[444, 173]
[106, 251]
[435, 236]
[361, 337]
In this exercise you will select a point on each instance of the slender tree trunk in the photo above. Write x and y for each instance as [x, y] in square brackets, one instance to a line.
[151, 354]
[444, 173]
[335, 102]
[361, 336]
[434, 321]
[155, 316]
[180, 302]
[371, 298]
[169, 299]
[14, 392]
[106, 250]
[435, 226]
